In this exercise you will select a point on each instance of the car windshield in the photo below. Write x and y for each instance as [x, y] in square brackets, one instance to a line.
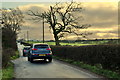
[26, 48]
[41, 46]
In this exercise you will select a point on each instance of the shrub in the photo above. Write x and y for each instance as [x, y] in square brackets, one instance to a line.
[106, 55]
[6, 55]
[8, 38]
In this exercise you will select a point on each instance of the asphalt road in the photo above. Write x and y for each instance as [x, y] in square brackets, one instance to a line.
[56, 69]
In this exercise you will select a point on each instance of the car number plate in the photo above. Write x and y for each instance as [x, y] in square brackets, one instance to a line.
[42, 49]
[41, 54]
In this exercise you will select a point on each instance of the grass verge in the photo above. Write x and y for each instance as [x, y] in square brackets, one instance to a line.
[96, 69]
[16, 56]
[8, 73]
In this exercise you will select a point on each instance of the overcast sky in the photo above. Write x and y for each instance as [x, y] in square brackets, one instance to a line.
[103, 16]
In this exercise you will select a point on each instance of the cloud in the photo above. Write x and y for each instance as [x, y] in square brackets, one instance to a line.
[101, 14]
[108, 35]
[103, 17]
[36, 7]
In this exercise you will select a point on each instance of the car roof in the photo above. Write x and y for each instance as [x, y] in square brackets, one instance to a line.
[26, 46]
[40, 44]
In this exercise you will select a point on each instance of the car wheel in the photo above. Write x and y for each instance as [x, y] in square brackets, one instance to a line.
[28, 59]
[50, 59]
[31, 60]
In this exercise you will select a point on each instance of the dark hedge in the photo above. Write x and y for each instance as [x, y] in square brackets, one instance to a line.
[106, 55]
[9, 45]
[7, 53]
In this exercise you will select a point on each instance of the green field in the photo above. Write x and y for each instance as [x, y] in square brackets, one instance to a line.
[82, 43]
[62, 43]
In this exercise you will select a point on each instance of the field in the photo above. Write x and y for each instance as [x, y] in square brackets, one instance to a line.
[62, 43]
[82, 42]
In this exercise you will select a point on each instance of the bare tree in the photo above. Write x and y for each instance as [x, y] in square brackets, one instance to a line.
[62, 19]
[12, 18]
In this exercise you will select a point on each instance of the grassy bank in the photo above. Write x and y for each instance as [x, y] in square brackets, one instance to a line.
[96, 69]
[8, 72]
[16, 55]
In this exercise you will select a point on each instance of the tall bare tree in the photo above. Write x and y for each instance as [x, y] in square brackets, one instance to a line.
[63, 18]
[12, 19]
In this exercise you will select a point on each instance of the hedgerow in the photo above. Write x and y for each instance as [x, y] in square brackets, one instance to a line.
[107, 56]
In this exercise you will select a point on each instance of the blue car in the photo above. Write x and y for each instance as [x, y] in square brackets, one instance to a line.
[40, 51]
[26, 50]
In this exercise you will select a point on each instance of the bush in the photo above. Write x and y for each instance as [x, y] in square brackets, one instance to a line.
[106, 55]
[6, 55]
[8, 38]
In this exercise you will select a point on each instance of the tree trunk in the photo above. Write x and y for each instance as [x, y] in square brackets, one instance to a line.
[56, 40]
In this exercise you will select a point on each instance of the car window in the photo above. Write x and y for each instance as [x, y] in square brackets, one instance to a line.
[27, 48]
[41, 46]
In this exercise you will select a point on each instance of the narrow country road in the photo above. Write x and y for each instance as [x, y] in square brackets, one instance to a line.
[56, 69]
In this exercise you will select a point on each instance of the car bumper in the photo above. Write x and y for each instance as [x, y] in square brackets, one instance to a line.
[41, 57]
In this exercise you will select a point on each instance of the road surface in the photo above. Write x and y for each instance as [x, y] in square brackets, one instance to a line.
[56, 69]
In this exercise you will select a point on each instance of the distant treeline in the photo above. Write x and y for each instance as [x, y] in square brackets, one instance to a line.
[73, 40]
[95, 41]
[84, 40]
